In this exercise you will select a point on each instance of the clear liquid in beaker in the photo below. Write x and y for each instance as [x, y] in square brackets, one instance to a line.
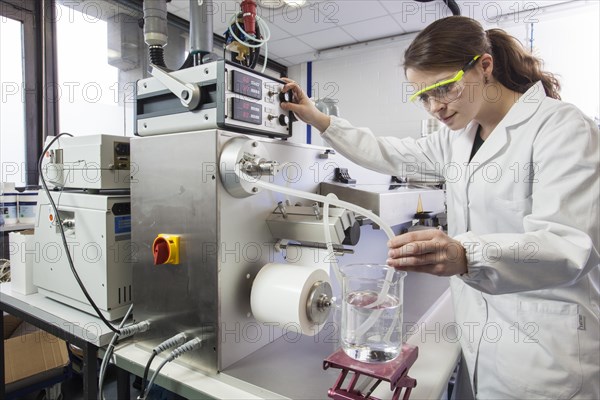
[371, 333]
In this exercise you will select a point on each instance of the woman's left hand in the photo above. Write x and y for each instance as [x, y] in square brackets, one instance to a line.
[430, 251]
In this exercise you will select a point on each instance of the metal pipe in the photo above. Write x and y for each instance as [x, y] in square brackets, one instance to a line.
[338, 249]
[155, 22]
[201, 27]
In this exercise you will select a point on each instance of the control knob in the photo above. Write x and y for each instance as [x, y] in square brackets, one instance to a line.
[285, 97]
[283, 119]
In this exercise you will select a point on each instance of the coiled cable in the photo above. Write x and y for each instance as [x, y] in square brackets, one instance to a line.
[108, 353]
[189, 346]
[176, 340]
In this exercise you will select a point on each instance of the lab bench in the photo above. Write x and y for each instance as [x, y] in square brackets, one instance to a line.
[277, 371]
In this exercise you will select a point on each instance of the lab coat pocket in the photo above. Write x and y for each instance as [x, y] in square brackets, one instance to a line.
[507, 215]
[539, 356]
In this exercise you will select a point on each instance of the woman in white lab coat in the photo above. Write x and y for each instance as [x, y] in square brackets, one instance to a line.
[522, 171]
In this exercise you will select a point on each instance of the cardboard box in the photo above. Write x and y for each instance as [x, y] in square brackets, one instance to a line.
[11, 323]
[31, 356]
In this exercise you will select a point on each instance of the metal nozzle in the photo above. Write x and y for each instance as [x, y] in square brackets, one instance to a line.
[254, 165]
[155, 22]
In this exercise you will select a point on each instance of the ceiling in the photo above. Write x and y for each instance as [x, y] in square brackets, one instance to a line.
[297, 34]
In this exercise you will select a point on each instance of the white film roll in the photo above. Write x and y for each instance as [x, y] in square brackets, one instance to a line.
[280, 293]
[308, 256]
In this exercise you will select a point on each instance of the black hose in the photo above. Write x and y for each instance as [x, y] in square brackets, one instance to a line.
[157, 56]
[450, 3]
[256, 52]
[64, 239]
[453, 6]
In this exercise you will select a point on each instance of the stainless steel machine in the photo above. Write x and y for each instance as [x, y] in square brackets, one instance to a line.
[224, 240]
[221, 258]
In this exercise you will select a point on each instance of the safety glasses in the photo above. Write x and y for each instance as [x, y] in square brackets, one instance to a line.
[446, 91]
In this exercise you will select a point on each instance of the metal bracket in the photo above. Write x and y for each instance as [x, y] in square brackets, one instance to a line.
[188, 93]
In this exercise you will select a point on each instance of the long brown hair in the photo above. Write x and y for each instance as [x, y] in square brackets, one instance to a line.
[449, 43]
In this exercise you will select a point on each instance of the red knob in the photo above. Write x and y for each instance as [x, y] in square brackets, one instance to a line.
[161, 251]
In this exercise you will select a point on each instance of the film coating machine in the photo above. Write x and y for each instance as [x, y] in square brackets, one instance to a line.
[243, 268]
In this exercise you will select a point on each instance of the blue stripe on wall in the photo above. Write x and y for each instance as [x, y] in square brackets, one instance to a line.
[309, 93]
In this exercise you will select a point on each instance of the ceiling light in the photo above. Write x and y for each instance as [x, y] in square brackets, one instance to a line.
[273, 4]
[295, 3]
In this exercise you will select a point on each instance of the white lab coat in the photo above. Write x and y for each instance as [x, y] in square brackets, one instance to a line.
[526, 210]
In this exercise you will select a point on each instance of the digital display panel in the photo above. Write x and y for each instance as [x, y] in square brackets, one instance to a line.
[247, 111]
[247, 85]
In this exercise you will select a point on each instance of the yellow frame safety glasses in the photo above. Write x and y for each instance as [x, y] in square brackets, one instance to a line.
[459, 75]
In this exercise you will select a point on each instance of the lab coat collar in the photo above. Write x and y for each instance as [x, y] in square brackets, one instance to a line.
[464, 144]
[520, 112]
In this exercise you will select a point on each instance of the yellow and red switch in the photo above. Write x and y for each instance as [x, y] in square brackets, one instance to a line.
[166, 249]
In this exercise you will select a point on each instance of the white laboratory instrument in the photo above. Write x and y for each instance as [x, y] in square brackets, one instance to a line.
[90, 178]
[94, 162]
[98, 232]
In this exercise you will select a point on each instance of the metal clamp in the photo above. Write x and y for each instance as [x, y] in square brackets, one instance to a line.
[255, 165]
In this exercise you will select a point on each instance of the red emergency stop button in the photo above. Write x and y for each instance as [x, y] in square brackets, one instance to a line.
[165, 249]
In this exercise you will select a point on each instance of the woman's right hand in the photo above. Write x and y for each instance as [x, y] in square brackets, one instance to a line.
[303, 107]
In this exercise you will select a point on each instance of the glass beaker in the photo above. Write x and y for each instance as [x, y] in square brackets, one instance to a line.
[372, 312]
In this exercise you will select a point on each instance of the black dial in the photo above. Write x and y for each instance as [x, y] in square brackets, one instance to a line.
[285, 97]
[283, 120]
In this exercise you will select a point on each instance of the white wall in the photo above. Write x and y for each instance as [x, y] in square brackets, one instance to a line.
[369, 88]
[369, 84]
[567, 39]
